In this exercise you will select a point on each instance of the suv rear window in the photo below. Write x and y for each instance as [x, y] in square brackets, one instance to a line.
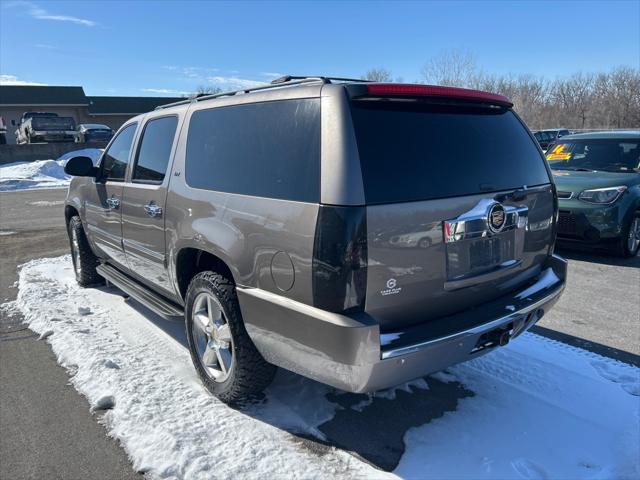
[269, 149]
[418, 151]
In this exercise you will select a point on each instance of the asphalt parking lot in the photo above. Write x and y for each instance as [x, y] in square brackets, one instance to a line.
[41, 412]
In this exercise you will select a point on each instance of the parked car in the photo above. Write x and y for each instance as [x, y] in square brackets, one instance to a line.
[255, 218]
[45, 127]
[93, 132]
[598, 180]
[545, 137]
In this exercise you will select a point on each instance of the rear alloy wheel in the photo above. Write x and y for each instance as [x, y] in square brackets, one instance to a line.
[84, 261]
[224, 356]
[212, 337]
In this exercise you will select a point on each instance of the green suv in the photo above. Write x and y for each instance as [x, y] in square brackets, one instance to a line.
[597, 176]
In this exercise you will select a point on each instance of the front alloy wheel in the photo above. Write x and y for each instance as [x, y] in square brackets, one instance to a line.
[75, 251]
[84, 260]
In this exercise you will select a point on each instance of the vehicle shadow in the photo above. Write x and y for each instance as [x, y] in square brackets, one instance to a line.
[371, 427]
[598, 257]
[376, 433]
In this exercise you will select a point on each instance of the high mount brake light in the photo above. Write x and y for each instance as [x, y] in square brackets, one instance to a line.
[399, 89]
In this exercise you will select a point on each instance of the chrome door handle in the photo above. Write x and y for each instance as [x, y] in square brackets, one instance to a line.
[153, 210]
[113, 202]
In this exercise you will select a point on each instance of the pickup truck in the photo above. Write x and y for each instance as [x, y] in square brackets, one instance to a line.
[45, 127]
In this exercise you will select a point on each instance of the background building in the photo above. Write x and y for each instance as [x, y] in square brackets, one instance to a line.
[71, 102]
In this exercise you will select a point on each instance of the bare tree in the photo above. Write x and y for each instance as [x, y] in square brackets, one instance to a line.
[206, 90]
[623, 99]
[378, 75]
[575, 96]
[456, 68]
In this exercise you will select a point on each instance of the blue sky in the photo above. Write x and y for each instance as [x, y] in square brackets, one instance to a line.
[166, 47]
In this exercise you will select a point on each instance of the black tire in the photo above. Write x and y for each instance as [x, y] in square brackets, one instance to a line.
[623, 247]
[249, 372]
[84, 260]
[424, 242]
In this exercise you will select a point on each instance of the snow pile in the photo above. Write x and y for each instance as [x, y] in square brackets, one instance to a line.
[540, 409]
[38, 174]
[171, 427]
[41, 173]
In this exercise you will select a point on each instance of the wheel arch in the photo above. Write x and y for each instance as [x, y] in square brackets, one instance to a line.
[190, 261]
[70, 211]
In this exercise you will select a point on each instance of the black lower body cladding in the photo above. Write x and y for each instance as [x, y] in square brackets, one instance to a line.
[340, 259]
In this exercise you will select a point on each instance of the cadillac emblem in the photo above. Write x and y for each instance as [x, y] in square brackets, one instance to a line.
[497, 218]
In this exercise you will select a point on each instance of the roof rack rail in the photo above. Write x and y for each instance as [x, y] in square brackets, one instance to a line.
[288, 78]
[285, 81]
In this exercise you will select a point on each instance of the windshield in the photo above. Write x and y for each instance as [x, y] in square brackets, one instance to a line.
[38, 114]
[611, 155]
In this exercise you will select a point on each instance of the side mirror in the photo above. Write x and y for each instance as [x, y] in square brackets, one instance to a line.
[80, 167]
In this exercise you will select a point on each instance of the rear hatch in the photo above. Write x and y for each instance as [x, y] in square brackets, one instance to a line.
[460, 206]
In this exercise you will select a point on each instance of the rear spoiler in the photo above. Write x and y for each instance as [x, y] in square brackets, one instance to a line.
[411, 90]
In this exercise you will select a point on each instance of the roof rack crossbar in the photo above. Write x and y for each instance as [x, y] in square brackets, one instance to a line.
[287, 80]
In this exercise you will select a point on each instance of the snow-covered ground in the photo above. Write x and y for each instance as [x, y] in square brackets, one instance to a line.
[41, 173]
[538, 408]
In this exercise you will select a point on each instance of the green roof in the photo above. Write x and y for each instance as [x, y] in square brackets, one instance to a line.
[126, 105]
[40, 95]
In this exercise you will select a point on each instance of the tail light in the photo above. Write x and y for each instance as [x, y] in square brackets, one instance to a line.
[340, 259]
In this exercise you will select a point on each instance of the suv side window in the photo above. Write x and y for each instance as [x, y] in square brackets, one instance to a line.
[268, 149]
[115, 159]
[155, 149]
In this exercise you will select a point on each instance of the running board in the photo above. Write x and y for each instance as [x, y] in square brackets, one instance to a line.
[148, 298]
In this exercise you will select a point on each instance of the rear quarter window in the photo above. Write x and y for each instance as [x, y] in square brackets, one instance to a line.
[411, 152]
[269, 149]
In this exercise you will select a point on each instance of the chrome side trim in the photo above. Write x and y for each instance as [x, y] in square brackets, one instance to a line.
[475, 330]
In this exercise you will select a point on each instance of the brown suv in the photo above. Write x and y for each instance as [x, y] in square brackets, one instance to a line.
[361, 234]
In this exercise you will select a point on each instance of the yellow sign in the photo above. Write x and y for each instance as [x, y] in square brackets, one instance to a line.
[559, 152]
